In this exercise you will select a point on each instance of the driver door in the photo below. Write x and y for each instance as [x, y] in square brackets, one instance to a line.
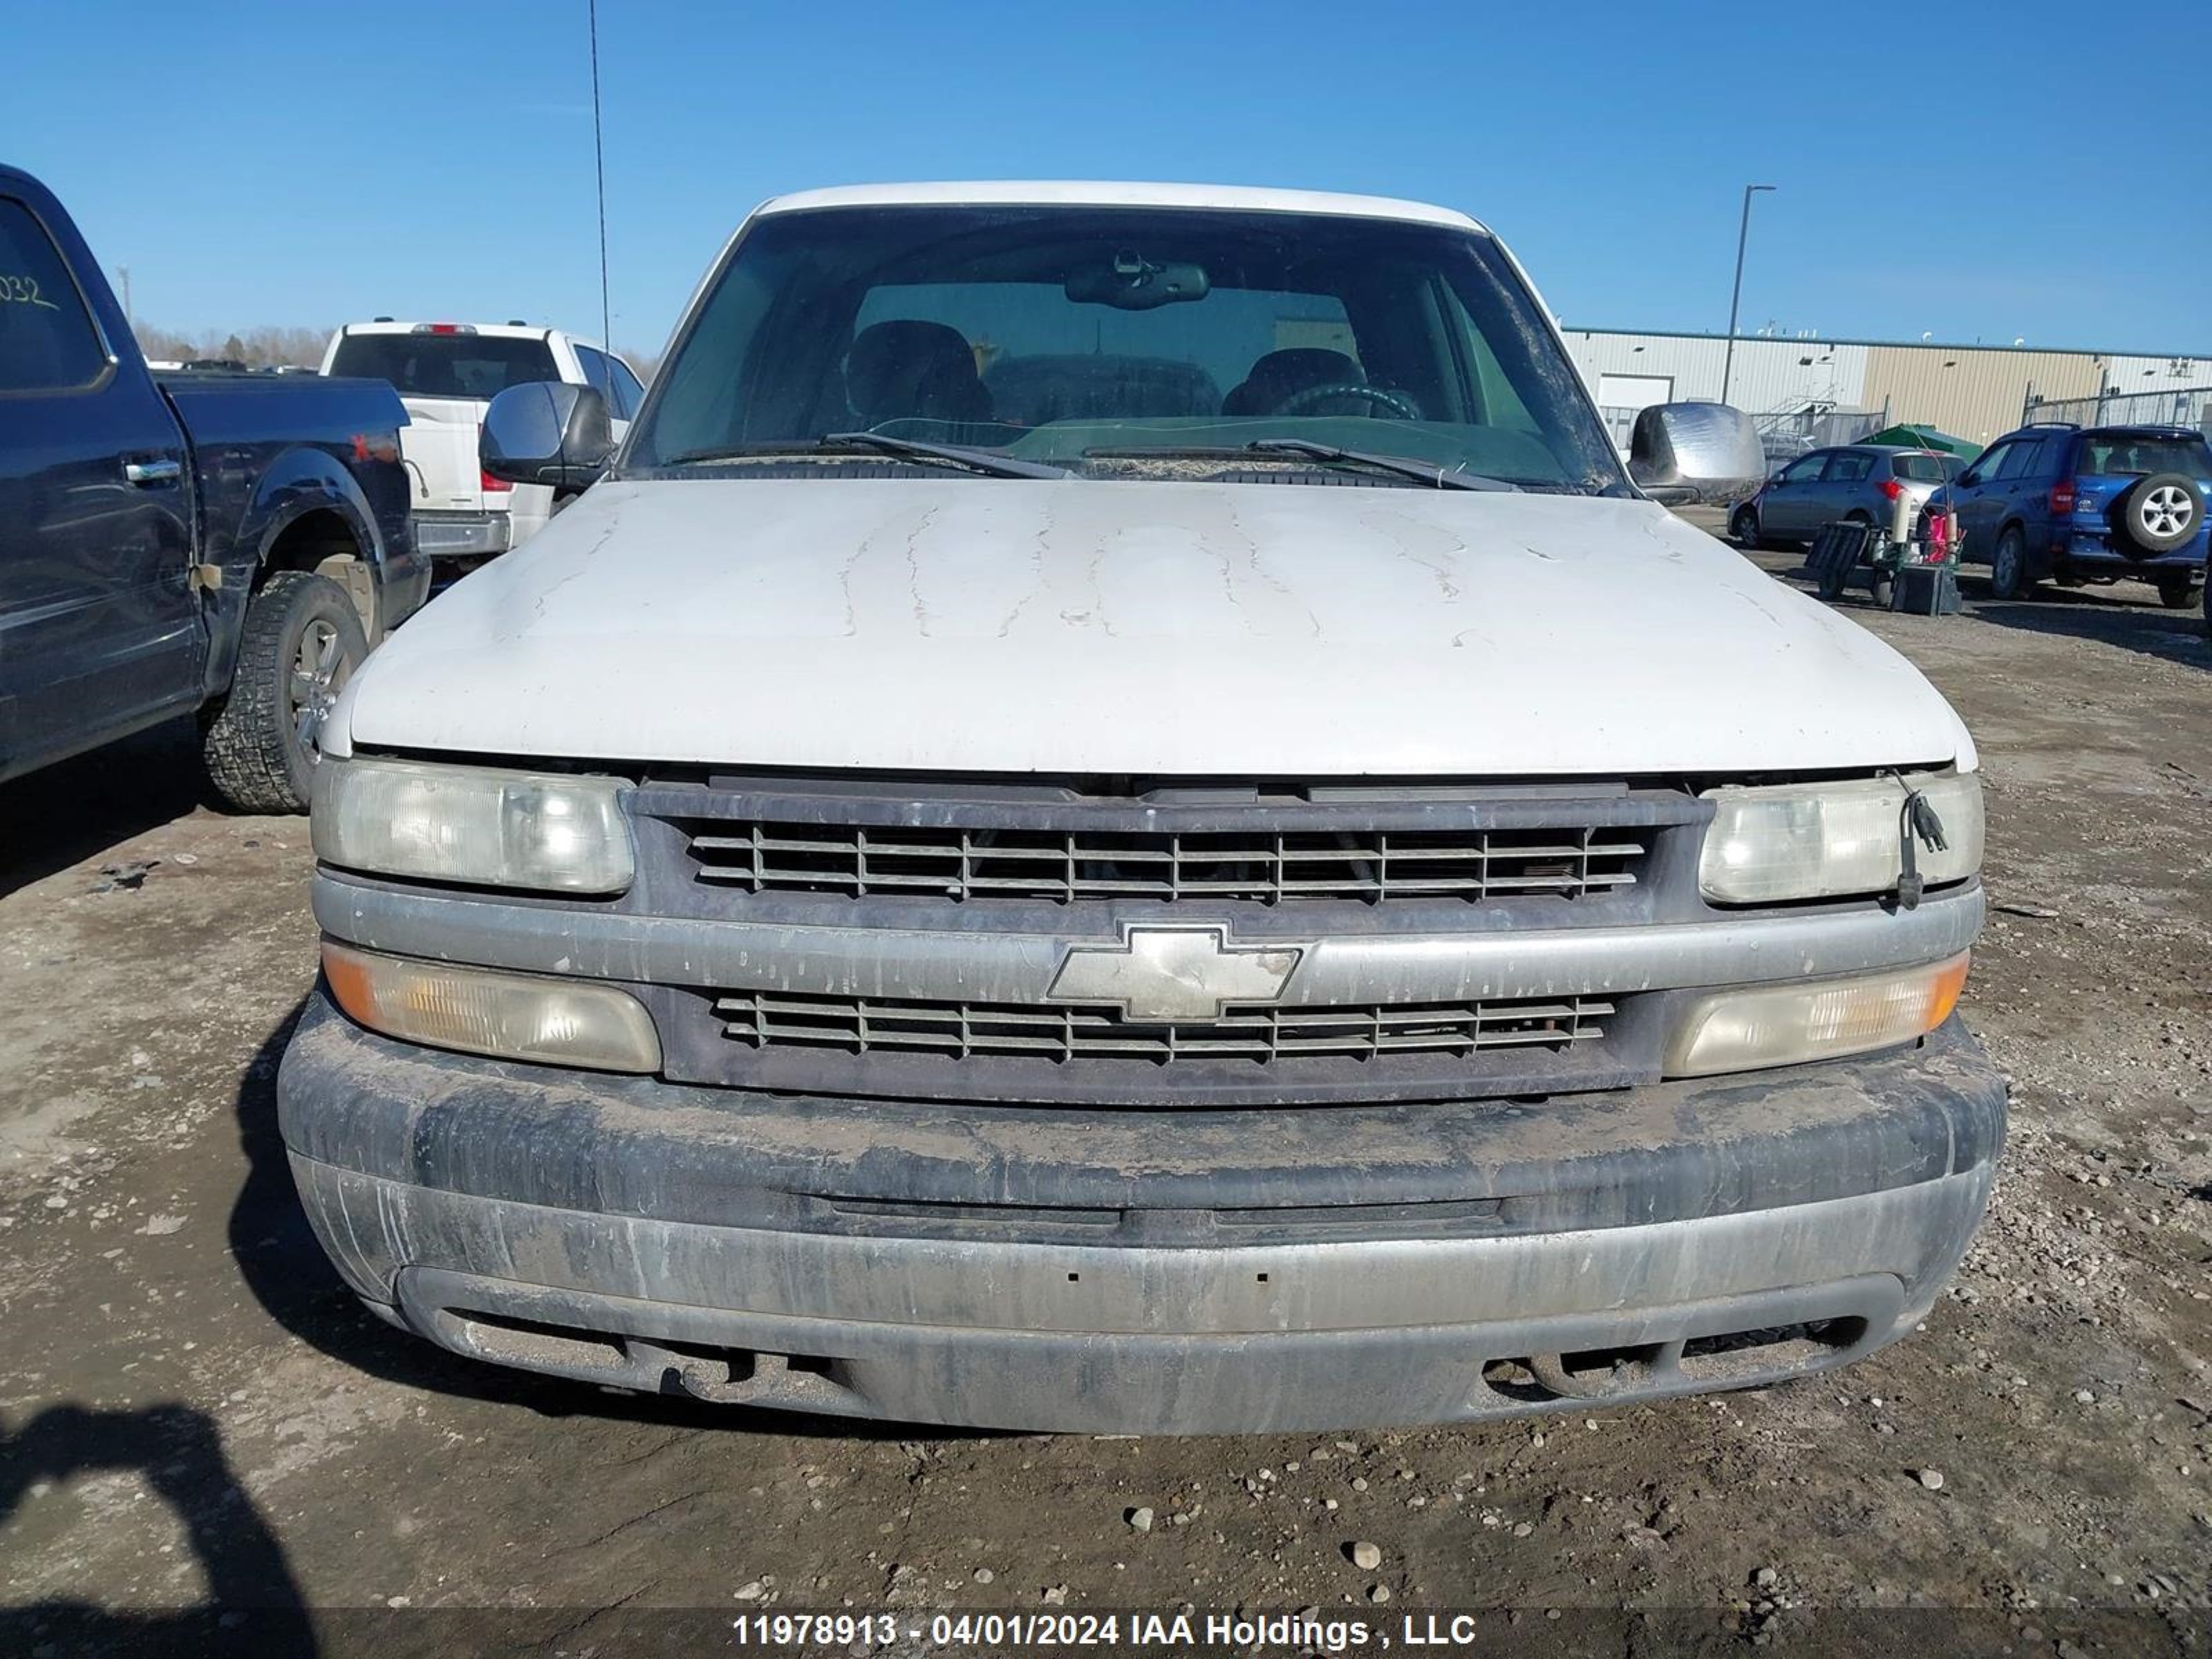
[1791, 509]
[99, 630]
[1975, 492]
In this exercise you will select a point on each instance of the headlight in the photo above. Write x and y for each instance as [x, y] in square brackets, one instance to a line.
[1788, 1024]
[1802, 840]
[473, 824]
[561, 1022]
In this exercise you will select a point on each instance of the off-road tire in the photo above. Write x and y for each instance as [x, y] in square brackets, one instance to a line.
[2019, 582]
[2176, 593]
[258, 750]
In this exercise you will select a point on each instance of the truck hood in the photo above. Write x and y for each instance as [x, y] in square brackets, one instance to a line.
[1077, 626]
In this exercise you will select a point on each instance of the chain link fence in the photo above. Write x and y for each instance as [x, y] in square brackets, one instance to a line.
[2188, 406]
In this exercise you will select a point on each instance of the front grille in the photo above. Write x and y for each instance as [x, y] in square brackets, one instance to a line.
[925, 913]
[1270, 866]
[763, 1019]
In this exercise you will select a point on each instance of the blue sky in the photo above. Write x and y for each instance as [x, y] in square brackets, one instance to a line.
[1990, 173]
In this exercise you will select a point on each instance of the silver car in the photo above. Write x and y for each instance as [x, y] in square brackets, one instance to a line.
[1850, 481]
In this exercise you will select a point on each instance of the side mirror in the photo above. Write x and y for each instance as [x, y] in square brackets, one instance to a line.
[1969, 476]
[547, 433]
[1682, 453]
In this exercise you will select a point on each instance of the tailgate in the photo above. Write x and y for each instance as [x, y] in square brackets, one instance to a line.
[440, 444]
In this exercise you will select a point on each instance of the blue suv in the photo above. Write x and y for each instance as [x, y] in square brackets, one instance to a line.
[2086, 504]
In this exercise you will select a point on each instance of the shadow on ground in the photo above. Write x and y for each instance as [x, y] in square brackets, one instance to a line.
[252, 1604]
[286, 1270]
[2169, 635]
[2110, 616]
[75, 810]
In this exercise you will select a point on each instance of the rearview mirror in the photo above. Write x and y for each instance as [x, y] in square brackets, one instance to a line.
[547, 433]
[1682, 453]
[1129, 282]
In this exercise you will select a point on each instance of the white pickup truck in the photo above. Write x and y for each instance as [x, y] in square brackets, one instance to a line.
[1116, 815]
[447, 374]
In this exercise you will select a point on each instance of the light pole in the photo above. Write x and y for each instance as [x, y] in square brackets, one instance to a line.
[1736, 294]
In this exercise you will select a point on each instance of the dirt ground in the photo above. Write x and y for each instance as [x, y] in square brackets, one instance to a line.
[192, 1411]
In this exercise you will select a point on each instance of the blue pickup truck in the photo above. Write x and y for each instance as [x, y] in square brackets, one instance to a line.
[230, 544]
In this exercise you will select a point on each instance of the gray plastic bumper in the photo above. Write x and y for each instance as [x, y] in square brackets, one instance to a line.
[1301, 1269]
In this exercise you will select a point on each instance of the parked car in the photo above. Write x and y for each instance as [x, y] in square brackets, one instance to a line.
[226, 542]
[446, 373]
[1274, 914]
[1852, 481]
[2088, 504]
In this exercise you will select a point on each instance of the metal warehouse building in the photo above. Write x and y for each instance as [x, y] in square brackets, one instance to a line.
[1807, 390]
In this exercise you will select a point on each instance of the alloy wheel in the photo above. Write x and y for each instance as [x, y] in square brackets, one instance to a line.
[320, 672]
[2165, 512]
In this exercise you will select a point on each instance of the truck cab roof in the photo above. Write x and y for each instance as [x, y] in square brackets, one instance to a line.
[1014, 192]
[507, 331]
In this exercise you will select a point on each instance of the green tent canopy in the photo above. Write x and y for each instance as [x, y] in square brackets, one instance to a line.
[1925, 437]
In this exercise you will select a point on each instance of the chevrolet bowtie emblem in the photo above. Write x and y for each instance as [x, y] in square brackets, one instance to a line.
[1172, 975]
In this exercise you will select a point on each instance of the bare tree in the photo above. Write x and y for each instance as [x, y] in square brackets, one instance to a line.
[264, 346]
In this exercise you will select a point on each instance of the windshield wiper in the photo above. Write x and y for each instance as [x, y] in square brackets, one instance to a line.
[913, 449]
[1396, 465]
[1419, 471]
[905, 449]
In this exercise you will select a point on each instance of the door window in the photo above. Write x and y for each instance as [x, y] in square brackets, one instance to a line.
[2020, 459]
[1848, 466]
[594, 364]
[614, 380]
[47, 339]
[1985, 467]
[629, 391]
[1805, 470]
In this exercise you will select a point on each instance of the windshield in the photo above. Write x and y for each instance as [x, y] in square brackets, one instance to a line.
[2107, 453]
[445, 365]
[1057, 334]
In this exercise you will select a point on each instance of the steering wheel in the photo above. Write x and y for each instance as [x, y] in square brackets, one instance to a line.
[1396, 402]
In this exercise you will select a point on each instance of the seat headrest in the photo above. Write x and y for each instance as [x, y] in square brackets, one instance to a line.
[909, 369]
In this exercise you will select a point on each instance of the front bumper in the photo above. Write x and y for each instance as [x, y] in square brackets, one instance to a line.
[1143, 1272]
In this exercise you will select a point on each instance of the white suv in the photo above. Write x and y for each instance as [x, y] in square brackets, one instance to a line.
[447, 373]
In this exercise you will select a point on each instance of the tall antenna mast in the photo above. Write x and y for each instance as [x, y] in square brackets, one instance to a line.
[599, 160]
